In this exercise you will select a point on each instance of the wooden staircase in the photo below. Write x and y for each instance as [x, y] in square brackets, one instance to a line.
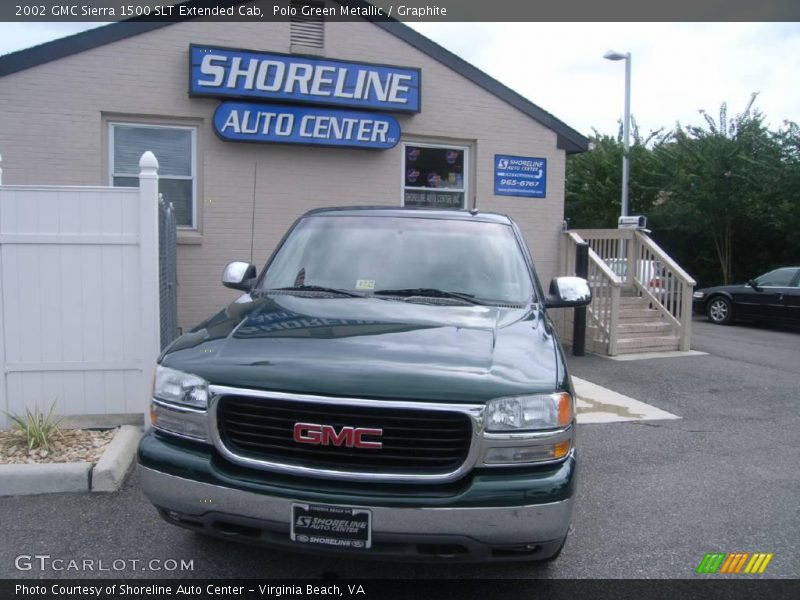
[644, 308]
[641, 328]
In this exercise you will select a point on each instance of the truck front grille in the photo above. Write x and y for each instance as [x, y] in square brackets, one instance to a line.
[413, 440]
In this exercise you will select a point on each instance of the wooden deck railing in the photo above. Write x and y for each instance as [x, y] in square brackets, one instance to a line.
[603, 312]
[652, 275]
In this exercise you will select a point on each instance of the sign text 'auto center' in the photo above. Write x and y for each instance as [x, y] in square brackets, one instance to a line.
[252, 77]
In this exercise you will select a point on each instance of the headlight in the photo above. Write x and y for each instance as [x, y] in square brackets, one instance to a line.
[699, 295]
[525, 413]
[181, 388]
[180, 420]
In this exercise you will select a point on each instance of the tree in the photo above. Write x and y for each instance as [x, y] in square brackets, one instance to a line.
[594, 179]
[723, 199]
[717, 180]
[784, 205]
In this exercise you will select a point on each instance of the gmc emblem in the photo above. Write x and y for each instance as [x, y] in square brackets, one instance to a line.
[326, 435]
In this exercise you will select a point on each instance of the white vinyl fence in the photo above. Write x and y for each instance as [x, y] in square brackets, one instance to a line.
[79, 307]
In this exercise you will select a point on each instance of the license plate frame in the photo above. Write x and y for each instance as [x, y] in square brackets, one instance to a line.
[331, 526]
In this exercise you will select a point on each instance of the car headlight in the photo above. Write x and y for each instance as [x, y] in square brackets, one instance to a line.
[527, 413]
[699, 295]
[178, 387]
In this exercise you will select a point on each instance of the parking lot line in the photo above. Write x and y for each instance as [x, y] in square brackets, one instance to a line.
[596, 404]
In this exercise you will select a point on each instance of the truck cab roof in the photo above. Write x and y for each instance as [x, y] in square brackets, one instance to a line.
[422, 213]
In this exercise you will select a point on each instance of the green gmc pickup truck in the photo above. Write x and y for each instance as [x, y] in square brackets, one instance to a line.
[390, 386]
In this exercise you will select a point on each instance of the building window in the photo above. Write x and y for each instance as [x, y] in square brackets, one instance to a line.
[434, 176]
[175, 150]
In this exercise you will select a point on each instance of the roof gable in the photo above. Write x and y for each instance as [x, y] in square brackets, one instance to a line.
[568, 139]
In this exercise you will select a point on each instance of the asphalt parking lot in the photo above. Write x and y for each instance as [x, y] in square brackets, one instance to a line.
[654, 496]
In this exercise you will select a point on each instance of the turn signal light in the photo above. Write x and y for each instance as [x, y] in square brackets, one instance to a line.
[561, 449]
[564, 409]
[509, 455]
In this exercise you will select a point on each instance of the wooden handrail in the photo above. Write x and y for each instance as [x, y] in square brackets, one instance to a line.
[594, 257]
[605, 234]
[604, 269]
[665, 258]
[575, 236]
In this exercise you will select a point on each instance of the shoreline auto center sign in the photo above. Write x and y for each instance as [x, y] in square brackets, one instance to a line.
[524, 176]
[285, 79]
[239, 121]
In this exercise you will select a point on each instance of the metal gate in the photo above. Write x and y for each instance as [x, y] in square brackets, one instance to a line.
[167, 271]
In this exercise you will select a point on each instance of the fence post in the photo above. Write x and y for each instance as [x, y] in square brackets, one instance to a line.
[579, 323]
[148, 253]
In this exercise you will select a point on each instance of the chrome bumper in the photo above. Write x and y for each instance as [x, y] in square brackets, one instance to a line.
[491, 526]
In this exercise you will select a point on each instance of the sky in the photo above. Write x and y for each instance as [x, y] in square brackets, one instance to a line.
[677, 68]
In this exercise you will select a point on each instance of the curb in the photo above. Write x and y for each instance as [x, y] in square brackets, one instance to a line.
[47, 478]
[109, 472]
[20, 480]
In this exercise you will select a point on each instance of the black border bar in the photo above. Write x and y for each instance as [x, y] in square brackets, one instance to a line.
[406, 10]
[703, 587]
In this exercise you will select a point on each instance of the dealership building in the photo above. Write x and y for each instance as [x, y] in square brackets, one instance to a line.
[254, 123]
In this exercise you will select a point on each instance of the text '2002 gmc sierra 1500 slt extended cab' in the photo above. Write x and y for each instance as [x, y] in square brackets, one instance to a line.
[389, 386]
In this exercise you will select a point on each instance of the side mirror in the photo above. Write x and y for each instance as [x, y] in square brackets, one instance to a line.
[239, 276]
[754, 284]
[568, 292]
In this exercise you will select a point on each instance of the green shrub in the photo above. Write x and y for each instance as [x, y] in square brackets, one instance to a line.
[37, 429]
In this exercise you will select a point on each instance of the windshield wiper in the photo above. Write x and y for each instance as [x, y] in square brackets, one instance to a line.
[431, 293]
[316, 288]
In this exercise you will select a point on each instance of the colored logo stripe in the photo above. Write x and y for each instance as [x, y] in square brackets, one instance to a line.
[758, 563]
[733, 562]
[711, 562]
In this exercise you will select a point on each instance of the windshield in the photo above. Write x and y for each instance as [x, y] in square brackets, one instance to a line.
[371, 254]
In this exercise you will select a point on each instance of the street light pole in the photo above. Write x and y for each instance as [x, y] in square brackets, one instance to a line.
[626, 124]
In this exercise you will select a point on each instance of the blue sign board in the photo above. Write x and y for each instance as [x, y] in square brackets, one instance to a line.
[520, 176]
[223, 72]
[277, 123]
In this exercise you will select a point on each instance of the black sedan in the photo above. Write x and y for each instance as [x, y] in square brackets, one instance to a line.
[775, 297]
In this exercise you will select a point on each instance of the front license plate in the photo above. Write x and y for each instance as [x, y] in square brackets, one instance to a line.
[334, 526]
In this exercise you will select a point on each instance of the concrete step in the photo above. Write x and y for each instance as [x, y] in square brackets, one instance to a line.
[644, 328]
[648, 344]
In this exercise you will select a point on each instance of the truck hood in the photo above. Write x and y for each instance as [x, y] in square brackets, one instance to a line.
[370, 347]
